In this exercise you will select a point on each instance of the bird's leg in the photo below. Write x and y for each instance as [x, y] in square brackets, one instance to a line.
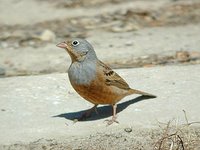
[114, 117]
[88, 113]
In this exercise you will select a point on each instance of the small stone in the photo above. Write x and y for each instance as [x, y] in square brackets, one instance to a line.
[47, 35]
[128, 130]
[129, 43]
[195, 55]
[75, 120]
[183, 56]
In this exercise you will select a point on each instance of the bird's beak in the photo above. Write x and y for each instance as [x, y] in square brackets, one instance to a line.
[62, 45]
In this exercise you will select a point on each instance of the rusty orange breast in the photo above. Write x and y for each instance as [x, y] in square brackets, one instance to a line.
[97, 92]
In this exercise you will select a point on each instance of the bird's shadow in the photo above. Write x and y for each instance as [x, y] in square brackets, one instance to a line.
[103, 111]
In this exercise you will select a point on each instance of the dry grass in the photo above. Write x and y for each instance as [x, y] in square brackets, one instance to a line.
[178, 137]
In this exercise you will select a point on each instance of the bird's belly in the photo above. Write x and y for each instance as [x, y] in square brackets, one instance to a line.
[99, 93]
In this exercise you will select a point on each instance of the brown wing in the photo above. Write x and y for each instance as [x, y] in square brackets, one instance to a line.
[112, 78]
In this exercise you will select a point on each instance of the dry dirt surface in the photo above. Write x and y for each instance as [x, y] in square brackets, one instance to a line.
[126, 138]
[39, 112]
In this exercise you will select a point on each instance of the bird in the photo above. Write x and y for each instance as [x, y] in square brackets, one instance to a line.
[93, 80]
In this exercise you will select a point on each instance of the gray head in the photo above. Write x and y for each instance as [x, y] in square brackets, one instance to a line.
[79, 49]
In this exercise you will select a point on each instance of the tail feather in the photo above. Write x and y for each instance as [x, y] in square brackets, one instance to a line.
[133, 91]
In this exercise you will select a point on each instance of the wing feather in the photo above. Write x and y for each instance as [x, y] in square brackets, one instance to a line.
[112, 78]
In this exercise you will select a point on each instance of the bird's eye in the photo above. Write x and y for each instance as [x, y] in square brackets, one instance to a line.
[75, 43]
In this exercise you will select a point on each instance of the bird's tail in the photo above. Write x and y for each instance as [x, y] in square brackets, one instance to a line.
[133, 91]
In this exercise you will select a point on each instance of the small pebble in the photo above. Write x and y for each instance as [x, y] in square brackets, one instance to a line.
[183, 56]
[129, 43]
[47, 35]
[128, 130]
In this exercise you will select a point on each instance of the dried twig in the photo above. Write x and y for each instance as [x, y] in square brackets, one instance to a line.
[175, 136]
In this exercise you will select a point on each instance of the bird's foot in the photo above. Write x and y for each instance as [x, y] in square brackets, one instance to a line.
[111, 121]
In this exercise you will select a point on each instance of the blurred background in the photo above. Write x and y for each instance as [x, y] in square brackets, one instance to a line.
[125, 34]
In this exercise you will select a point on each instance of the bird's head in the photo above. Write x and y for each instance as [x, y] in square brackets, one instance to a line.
[78, 49]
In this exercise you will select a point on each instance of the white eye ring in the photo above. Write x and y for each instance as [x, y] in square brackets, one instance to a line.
[75, 43]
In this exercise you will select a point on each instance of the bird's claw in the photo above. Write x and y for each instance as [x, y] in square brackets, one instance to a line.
[111, 121]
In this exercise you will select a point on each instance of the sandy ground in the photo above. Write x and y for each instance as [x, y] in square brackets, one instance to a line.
[43, 111]
[125, 34]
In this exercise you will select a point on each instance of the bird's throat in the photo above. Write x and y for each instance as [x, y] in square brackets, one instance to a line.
[80, 71]
[76, 56]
